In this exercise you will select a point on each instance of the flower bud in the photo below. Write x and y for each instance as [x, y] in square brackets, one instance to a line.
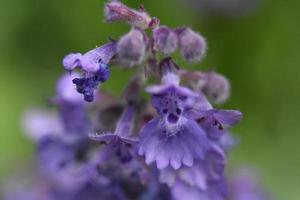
[165, 39]
[192, 45]
[216, 87]
[131, 48]
[115, 11]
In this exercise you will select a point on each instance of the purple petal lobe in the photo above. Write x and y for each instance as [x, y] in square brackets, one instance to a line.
[71, 61]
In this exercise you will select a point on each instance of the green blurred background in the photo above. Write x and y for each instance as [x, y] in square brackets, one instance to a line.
[258, 52]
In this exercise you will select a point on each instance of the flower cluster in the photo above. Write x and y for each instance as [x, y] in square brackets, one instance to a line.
[173, 147]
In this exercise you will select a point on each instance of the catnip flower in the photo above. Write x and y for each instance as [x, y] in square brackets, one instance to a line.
[94, 65]
[172, 138]
[179, 129]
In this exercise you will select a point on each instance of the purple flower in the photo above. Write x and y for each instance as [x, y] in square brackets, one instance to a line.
[135, 40]
[172, 138]
[192, 45]
[94, 65]
[115, 11]
[179, 129]
[165, 39]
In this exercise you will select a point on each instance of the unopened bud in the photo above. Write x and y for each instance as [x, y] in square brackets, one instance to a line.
[192, 45]
[131, 48]
[115, 11]
[165, 39]
[216, 87]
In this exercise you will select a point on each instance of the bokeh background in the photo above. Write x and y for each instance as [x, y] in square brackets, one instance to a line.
[256, 45]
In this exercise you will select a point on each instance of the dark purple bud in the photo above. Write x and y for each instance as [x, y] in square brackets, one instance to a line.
[165, 39]
[115, 11]
[216, 87]
[192, 45]
[131, 48]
